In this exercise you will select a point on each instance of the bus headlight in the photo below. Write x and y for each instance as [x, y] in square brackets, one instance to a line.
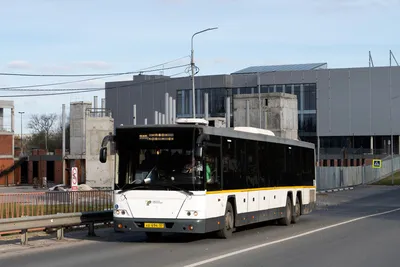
[120, 212]
[192, 212]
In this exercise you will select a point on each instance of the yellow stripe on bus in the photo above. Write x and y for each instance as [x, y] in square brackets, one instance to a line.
[258, 189]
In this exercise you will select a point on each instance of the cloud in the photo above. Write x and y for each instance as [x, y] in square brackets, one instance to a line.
[95, 64]
[19, 64]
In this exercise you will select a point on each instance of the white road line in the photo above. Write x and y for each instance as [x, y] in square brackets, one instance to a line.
[234, 253]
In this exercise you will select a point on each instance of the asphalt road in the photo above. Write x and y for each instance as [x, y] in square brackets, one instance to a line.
[345, 231]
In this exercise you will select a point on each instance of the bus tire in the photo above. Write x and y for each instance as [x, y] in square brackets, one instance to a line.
[229, 220]
[296, 211]
[288, 214]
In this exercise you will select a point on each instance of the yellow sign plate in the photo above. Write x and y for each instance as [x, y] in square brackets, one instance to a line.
[154, 225]
[376, 163]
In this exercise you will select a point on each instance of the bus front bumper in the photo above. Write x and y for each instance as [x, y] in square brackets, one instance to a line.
[195, 226]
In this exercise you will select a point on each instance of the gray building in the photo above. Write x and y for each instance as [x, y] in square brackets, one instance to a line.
[352, 110]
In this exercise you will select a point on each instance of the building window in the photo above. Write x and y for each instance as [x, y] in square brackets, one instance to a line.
[266, 89]
[179, 101]
[308, 123]
[245, 90]
[310, 97]
[288, 89]
[296, 91]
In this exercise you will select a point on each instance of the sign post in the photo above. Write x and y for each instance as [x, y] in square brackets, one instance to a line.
[376, 164]
[74, 178]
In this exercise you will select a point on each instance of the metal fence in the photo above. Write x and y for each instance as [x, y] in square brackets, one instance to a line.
[337, 177]
[14, 205]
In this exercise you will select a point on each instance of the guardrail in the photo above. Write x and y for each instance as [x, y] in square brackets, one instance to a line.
[15, 205]
[58, 221]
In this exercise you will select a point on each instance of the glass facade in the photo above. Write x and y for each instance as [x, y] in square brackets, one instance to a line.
[306, 101]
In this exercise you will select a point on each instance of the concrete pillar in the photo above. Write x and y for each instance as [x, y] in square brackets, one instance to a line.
[1, 118]
[170, 118]
[206, 109]
[103, 107]
[12, 121]
[160, 118]
[155, 117]
[134, 114]
[228, 112]
[164, 121]
[95, 106]
[372, 144]
[174, 110]
[166, 108]
[145, 121]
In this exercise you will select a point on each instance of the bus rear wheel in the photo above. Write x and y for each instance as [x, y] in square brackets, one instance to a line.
[296, 213]
[227, 231]
[288, 214]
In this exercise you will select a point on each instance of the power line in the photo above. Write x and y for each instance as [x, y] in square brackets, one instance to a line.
[95, 74]
[57, 89]
[86, 90]
[53, 94]
[21, 88]
[12, 88]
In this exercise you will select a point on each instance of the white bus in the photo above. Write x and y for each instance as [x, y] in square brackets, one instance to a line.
[199, 179]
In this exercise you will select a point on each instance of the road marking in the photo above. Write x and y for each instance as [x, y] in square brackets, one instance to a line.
[234, 253]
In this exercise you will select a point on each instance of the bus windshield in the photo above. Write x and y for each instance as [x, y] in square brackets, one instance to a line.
[163, 162]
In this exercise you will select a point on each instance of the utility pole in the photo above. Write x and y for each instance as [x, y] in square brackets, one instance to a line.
[63, 144]
[22, 143]
[193, 66]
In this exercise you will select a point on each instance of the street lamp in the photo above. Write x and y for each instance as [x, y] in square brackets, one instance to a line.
[22, 146]
[192, 65]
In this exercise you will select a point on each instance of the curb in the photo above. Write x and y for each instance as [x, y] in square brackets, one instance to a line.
[336, 190]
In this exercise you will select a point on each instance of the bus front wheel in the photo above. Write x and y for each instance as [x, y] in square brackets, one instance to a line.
[227, 231]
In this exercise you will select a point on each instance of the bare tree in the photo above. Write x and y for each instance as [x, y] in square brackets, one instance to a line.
[44, 123]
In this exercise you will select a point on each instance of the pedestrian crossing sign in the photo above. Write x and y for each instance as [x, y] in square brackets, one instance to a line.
[376, 163]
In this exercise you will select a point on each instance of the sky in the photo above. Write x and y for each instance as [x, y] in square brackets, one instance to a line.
[104, 36]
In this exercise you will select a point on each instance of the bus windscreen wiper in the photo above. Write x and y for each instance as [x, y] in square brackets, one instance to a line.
[187, 192]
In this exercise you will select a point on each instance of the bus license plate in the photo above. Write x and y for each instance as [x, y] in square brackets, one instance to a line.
[153, 225]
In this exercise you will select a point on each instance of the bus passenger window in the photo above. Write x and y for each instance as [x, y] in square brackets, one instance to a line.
[212, 169]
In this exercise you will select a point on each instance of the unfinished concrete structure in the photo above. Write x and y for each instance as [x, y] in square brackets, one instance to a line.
[6, 143]
[89, 124]
[77, 128]
[99, 123]
[278, 113]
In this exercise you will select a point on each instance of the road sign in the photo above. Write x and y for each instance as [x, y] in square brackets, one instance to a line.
[74, 178]
[376, 163]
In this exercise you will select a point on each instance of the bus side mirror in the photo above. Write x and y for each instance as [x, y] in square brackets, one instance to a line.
[199, 152]
[103, 154]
